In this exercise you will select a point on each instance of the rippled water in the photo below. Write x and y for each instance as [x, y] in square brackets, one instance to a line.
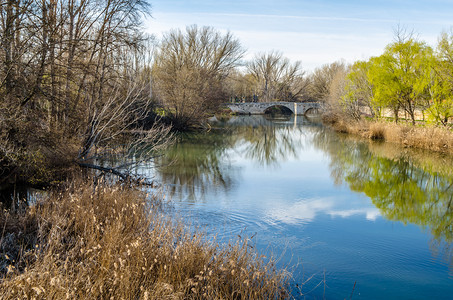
[336, 210]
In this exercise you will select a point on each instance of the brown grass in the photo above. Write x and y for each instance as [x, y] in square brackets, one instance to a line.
[428, 137]
[113, 243]
[377, 131]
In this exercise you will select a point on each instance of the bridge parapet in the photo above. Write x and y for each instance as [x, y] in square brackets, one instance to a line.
[258, 108]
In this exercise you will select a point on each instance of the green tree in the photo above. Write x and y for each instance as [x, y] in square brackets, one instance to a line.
[398, 76]
[441, 82]
[384, 85]
[358, 90]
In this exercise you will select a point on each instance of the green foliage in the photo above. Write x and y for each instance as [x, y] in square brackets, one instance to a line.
[408, 76]
[441, 82]
[383, 81]
[358, 90]
[441, 103]
[398, 75]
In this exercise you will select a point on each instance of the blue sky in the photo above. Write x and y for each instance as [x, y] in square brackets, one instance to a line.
[315, 32]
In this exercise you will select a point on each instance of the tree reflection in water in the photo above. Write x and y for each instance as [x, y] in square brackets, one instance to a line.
[268, 142]
[197, 164]
[402, 184]
[200, 162]
[405, 185]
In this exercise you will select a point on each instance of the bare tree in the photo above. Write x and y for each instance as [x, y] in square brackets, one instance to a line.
[240, 86]
[75, 72]
[189, 70]
[276, 78]
[321, 80]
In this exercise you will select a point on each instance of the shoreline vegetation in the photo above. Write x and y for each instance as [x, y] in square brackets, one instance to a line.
[403, 96]
[434, 138]
[101, 241]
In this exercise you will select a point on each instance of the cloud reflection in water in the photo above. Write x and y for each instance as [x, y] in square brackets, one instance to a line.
[305, 211]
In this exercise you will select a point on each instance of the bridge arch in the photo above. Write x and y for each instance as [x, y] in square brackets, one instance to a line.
[275, 107]
[311, 111]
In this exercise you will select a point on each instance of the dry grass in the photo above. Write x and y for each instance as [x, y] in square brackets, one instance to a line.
[429, 137]
[112, 243]
[377, 131]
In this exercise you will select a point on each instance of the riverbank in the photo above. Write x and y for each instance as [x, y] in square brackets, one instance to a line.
[105, 241]
[418, 136]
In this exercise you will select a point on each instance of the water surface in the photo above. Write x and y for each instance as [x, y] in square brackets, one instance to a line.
[337, 211]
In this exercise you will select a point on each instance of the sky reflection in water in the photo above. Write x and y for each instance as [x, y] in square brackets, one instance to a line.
[349, 210]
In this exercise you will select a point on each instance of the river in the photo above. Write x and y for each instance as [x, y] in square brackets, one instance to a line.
[348, 218]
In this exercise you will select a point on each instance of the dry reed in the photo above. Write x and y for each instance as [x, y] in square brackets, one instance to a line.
[428, 137]
[102, 242]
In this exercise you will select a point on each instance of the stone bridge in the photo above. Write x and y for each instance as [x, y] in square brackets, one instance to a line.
[257, 108]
